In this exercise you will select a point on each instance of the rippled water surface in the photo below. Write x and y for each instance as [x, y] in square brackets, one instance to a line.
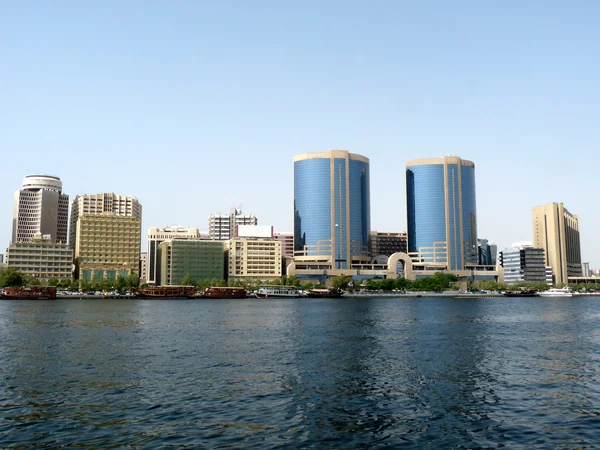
[367, 373]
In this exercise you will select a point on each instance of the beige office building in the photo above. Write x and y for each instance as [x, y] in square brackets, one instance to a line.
[104, 203]
[107, 245]
[41, 258]
[258, 258]
[556, 230]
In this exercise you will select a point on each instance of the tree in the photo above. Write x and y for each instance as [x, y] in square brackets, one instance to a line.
[12, 278]
[187, 280]
[341, 282]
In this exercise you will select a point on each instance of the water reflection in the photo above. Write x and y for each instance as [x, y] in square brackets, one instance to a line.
[444, 373]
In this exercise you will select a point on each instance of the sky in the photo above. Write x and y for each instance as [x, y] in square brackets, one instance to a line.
[195, 106]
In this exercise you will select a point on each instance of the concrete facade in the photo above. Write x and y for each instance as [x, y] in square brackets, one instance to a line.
[200, 259]
[257, 258]
[40, 207]
[158, 235]
[105, 203]
[41, 258]
[222, 227]
[287, 243]
[556, 230]
[107, 246]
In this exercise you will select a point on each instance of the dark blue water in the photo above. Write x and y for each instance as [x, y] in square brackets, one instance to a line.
[351, 373]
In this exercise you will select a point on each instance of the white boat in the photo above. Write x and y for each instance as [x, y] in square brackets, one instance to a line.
[555, 292]
[279, 292]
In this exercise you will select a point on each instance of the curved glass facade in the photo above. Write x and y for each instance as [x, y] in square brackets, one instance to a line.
[332, 206]
[442, 223]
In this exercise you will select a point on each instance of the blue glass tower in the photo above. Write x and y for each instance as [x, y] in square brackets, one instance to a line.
[332, 207]
[442, 219]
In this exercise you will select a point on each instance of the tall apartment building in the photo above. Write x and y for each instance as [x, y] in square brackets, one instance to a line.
[222, 227]
[556, 230]
[158, 235]
[40, 208]
[332, 213]
[107, 246]
[200, 259]
[105, 203]
[41, 258]
[523, 263]
[258, 258]
[385, 243]
[442, 217]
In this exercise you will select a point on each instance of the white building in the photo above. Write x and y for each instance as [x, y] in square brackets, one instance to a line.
[222, 227]
[94, 204]
[158, 235]
[40, 208]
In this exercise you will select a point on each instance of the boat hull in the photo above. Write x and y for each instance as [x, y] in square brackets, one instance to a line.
[40, 293]
[224, 293]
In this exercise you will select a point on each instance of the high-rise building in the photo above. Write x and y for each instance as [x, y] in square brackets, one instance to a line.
[222, 227]
[385, 243]
[107, 246]
[442, 218]
[41, 258]
[523, 263]
[556, 230]
[258, 258]
[40, 208]
[487, 252]
[158, 235]
[200, 259]
[332, 216]
[105, 203]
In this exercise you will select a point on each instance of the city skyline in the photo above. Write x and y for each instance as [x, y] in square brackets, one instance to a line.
[92, 95]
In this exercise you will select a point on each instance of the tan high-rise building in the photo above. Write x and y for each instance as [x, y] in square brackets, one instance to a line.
[107, 246]
[556, 230]
[118, 205]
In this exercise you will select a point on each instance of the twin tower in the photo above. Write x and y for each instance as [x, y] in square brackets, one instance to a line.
[332, 211]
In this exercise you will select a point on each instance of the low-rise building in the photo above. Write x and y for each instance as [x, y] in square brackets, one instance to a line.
[107, 245]
[258, 258]
[41, 258]
[523, 263]
[158, 235]
[200, 259]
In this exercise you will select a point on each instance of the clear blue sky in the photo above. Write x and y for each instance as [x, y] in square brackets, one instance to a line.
[196, 106]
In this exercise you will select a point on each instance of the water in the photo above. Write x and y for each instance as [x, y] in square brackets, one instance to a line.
[348, 373]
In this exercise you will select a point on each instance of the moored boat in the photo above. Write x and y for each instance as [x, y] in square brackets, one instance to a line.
[29, 293]
[325, 293]
[521, 293]
[556, 292]
[279, 292]
[167, 292]
[225, 292]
